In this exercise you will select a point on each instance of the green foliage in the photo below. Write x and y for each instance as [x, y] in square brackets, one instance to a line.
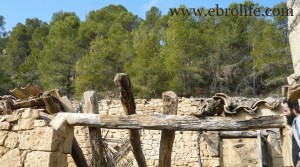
[106, 58]
[5, 74]
[191, 55]
[18, 47]
[60, 53]
[183, 54]
[147, 68]
[28, 69]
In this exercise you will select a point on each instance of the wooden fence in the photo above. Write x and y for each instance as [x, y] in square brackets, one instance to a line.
[168, 123]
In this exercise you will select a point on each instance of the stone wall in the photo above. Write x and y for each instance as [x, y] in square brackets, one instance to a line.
[26, 139]
[215, 151]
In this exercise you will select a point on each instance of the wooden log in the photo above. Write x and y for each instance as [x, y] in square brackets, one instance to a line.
[262, 150]
[241, 134]
[20, 94]
[170, 105]
[97, 146]
[127, 99]
[53, 105]
[67, 105]
[33, 90]
[77, 154]
[171, 122]
[293, 92]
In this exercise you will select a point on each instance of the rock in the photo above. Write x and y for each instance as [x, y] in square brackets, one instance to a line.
[3, 136]
[2, 149]
[25, 124]
[5, 126]
[12, 140]
[40, 123]
[46, 139]
[213, 162]
[15, 116]
[30, 113]
[150, 162]
[49, 159]
[11, 159]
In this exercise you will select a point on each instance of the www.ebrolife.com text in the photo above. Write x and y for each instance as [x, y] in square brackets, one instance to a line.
[240, 10]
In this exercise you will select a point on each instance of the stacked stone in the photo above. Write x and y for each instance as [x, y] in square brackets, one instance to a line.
[150, 145]
[27, 140]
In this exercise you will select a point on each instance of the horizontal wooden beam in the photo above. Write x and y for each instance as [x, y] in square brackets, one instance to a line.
[166, 122]
[241, 134]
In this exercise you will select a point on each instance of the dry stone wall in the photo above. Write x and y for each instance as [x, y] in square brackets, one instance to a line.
[214, 151]
[27, 140]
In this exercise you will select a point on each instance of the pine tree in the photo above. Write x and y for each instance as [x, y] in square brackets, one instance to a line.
[60, 53]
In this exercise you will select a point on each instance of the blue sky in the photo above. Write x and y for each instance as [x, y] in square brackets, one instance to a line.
[15, 11]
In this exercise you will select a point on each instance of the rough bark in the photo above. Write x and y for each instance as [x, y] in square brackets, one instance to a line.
[127, 99]
[97, 147]
[170, 122]
[170, 104]
[241, 134]
[77, 154]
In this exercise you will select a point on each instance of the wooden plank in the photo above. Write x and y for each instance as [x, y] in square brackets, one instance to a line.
[127, 99]
[241, 134]
[33, 90]
[97, 146]
[171, 122]
[170, 105]
[77, 154]
[20, 94]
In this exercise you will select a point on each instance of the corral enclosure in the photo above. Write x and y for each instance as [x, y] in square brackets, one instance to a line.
[29, 140]
[216, 150]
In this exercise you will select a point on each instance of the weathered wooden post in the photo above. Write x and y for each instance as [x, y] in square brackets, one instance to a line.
[170, 104]
[97, 147]
[77, 154]
[263, 161]
[127, 99]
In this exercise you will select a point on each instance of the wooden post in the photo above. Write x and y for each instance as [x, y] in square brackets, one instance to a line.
[263, 161]
[97, 147]
[77, 154]
[170, 104]
[127, 99]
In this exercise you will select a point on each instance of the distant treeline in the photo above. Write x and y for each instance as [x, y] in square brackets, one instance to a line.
[191, 55]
